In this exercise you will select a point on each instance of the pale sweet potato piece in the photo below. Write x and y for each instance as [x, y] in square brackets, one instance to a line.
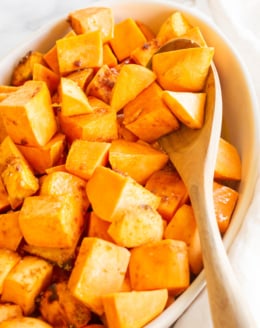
[147, 116]
[10, 232]
[99, 269]
[9, 311]
[73, 99]
[168, 185]
[80, 51]
[184, 69]
[136, 226]
[138, 160]
[124, 193]
[42, 158]
[63, 182]
[92, 19]
[225, 199]
[188, 107]
[8, 259]
[134, 308]
[126, 30]
[28, 115]
[132, 80]
[228, 164]
[25, 281]
[51, 220]
[161, 264]
[84, 156]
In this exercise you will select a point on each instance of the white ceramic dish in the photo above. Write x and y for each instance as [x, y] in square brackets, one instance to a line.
[240, 109]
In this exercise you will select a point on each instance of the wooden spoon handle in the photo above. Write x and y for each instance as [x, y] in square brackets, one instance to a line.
[228, 307]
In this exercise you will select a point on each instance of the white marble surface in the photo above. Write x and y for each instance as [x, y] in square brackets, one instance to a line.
[238, 20]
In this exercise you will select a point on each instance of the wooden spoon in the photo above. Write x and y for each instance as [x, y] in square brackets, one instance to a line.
[193, 153]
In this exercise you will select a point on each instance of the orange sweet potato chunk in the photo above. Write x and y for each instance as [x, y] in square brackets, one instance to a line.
[108, 56]
[51, 220]
[126, 30]
[184, 69]
[168, 185]
[228, 164]
[138, 160]
[91, 278]
[8, 259]
[134, 308]
[84, 156]
[161, 264]
[124, 194]
[80, 51]
[73, 99]
[28, 115]
[98, 227]
[132, 80]
[92, 19]
[101, 125]
[225, 199]
[43, 73]
[42, 158]
[147, 116]
[82, 77]
[10, 233]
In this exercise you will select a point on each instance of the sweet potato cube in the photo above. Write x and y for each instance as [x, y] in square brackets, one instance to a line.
[84, 156]
[61, 182]
[26, 280]
[101, 125]
[124, 193]
[8, 259]
[102, 83]
[28, 115]
[146, 30]
[174, 25]
[10, 311]
[182, 225]
[51, 56]
[44, 157]
[51, 221]
[188, 107]
[24, 70]
[138, 160]
[143, 54]
[195, 34]
[132, 80]
[134, 308]
[137, 226]
[10, 232]
[161, 264]
[17, 176]
[73, 99]
[168, 185]
[80, 51]
[92, 19]
[4, 202]
[82, 77]
[99, 269]
[228, 164]
[126, 30]
[148, 117]
[123, 132]
[225, 199]
[184, 69]
[109, 58]
[98, 227]
[43, 73]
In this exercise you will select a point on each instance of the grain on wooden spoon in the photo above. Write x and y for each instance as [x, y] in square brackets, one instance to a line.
[193, 153]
